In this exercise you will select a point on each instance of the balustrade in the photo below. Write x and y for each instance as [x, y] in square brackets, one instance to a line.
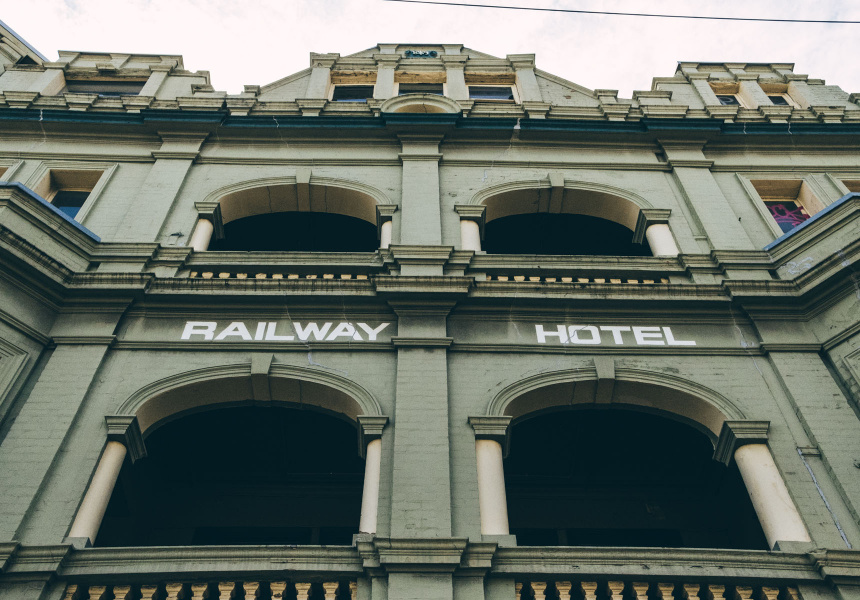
[548, 589]
[221, 590]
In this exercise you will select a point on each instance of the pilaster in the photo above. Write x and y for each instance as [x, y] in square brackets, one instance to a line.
[421, 220]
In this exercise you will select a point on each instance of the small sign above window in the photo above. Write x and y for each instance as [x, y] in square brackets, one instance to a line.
[420, 54]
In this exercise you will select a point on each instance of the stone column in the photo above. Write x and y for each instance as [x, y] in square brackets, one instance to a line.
[202, 235]
[653, 225]
[471, 226]
[385, 224]
[123, 438]
[455, 77]
[92, 509]
[490, 441]
[320, 78]
[777, 513]
[527, 85]
[371, 442]
[386, 64]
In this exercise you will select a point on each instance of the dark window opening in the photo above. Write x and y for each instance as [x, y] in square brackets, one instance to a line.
[352, 93]
[623, 478]
[420, 88]
[70, 202]
[545, 233]
[298, 232]
[788, 214]
[241, 475]
[779, 100]
[105, 88]
[728, 100]
[490, 92]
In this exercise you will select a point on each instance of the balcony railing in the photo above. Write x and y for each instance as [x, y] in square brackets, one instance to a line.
[541, 589]
[223, 590]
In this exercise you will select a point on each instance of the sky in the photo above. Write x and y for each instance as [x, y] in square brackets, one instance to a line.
[260, 41]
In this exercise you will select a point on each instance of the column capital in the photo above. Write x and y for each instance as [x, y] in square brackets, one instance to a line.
[472, 212]
[211, 211]
[735, 434]
[496, 428]
[369, 428]
[126, 430]
[648, 217]
[385, 211]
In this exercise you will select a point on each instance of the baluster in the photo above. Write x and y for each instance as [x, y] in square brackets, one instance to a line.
[252, 589]
[225, 589]
[539, 589]
[589, 590]
[330, 588]
[353, 590]
[744, 593]
[691, 590]
[518, 590]
[640, 590]
[71, 592]
[97, 592]
[715, 591]
[563, 588]
[122, 592]
[666, 590]
[790, 593]
[173, 590]
[278, 589]
[616, 590]
[198, 590]
[303, 591]
[148, 592]
[769, 593]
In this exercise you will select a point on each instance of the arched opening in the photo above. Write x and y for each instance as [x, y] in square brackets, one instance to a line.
[246, 474]
[608, 477]
[543, 233]
[562, 221]
[299, 217]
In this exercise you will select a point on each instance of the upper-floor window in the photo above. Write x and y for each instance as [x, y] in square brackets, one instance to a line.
[491, 92]
[70, 201]
[68, 189]
[779, 100]
[420, 88]
[105, 88]
[789, 202]
[728, 99]
[352, 93]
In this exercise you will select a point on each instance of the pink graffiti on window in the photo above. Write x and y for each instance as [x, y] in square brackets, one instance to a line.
[787, 215]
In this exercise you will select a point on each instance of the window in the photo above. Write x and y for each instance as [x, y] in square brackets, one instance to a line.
[728, 100]
[491, 92]
[105, 88]
[68, 189]
[70, 201]
[789, 202]
[779, 100]
[420, 88]
[352, 93]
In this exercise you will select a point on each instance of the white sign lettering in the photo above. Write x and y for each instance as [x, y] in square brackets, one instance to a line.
[592, 335]
[275, 331]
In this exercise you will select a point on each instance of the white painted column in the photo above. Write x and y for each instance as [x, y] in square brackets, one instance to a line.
[370, 495]
[776, 511]
[660, 239]
[202, 235]
[491, 488]
[470, 235]
[385, 233]
[92, 509]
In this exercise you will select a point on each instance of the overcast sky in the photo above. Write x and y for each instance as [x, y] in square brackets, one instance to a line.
[260, 41]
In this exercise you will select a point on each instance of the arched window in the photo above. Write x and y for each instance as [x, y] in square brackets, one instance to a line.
[240, 475]
[592, 477]
[300, 217]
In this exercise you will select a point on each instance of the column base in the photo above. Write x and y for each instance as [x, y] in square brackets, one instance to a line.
[504, 540]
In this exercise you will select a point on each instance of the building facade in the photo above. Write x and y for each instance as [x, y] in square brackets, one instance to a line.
[424, 323]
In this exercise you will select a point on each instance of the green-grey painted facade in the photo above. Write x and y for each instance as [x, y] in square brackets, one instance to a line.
[92, 311]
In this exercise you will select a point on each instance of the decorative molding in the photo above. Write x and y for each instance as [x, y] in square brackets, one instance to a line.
[735, 434]
[421, 342]
[125, 430]
[496, 428]
[648, 217]
[369, 428]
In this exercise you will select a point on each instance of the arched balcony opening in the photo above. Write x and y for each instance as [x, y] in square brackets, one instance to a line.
[558, 220]
[292, 217]
[240, 475]
[601, 477]
[543, 233]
